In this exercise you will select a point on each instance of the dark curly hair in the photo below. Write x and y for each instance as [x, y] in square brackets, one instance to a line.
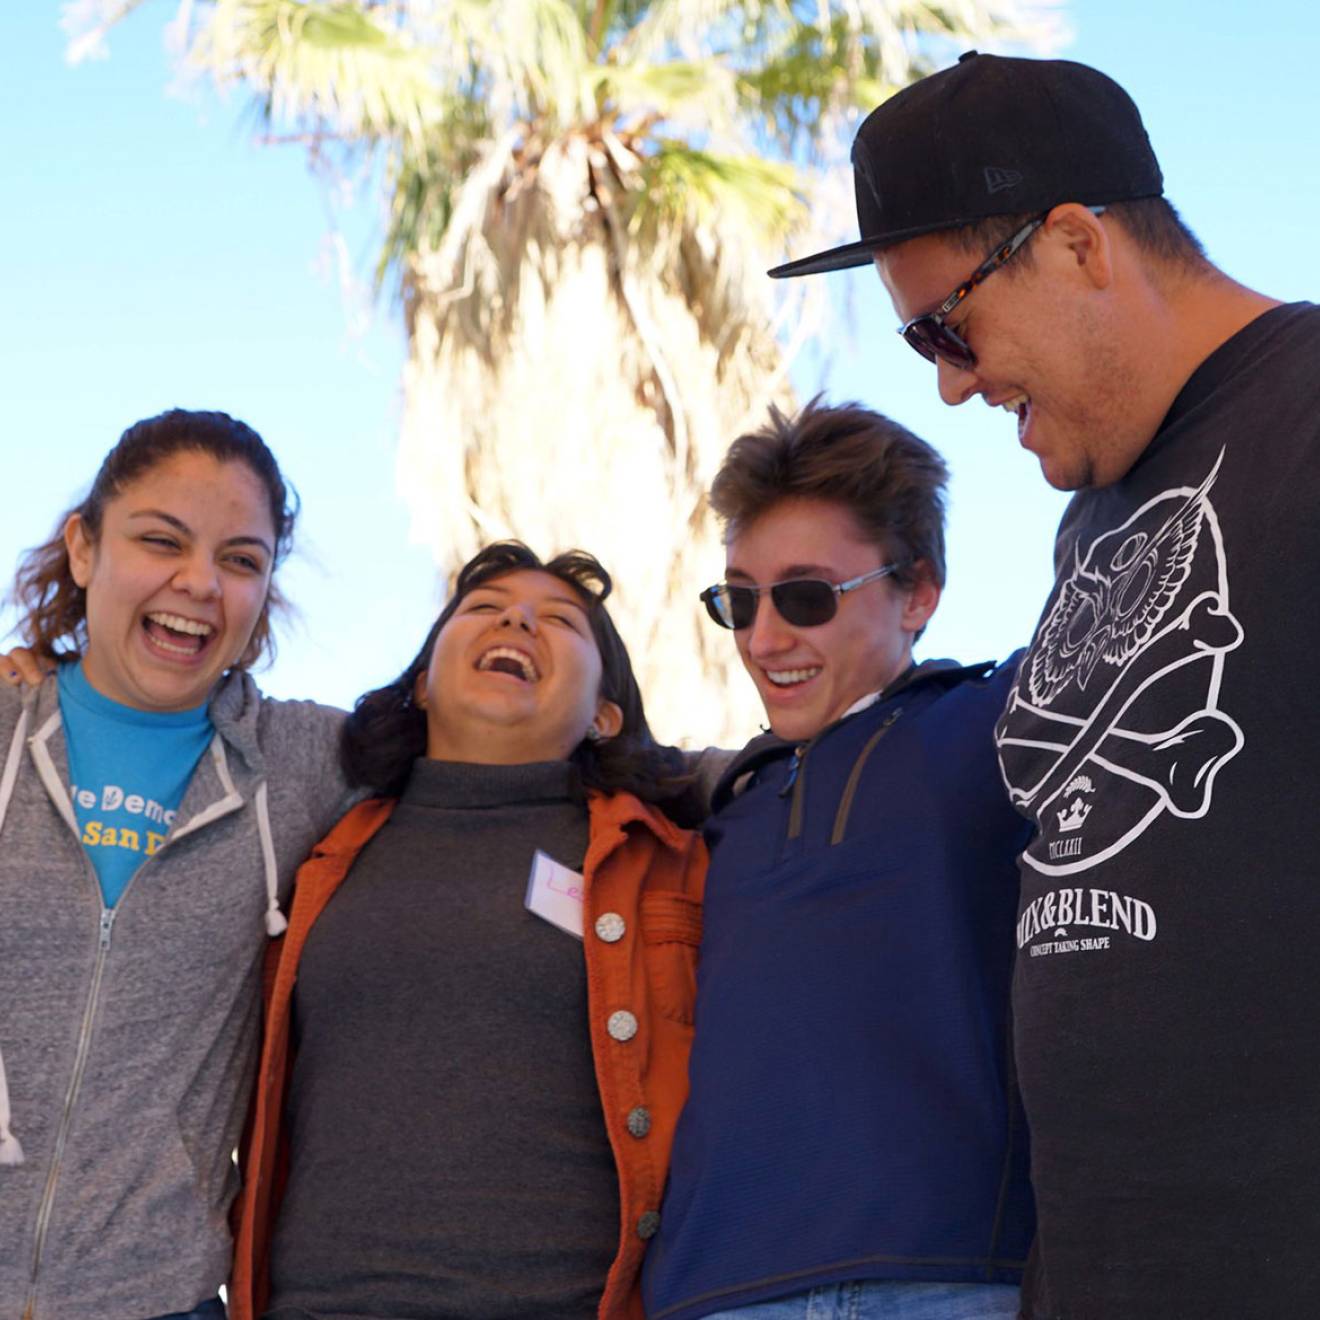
[53, 606]
[386, 732]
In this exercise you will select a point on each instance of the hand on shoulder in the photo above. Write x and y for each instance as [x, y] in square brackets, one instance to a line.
[22, 665]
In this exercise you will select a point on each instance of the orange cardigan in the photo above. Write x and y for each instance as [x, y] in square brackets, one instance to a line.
[639, 867]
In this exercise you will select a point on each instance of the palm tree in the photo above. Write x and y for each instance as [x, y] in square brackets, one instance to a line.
[583, 196]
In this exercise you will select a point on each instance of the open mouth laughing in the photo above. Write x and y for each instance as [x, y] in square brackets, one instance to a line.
[1020, 406]
[508, 660]
[176, 636]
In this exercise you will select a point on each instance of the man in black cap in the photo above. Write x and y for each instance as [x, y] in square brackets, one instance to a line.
[1160, 733]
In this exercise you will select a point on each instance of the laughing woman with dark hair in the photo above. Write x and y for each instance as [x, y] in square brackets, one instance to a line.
[462, 1110]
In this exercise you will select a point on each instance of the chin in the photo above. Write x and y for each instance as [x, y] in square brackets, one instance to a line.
[1062, 475]
[797, 727]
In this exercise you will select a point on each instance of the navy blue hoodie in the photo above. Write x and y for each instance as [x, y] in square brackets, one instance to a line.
[853, 1113]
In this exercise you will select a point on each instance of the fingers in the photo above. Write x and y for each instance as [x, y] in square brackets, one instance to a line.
[23, 666]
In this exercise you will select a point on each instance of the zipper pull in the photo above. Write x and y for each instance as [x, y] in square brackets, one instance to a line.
[793, 767]
[107, 925]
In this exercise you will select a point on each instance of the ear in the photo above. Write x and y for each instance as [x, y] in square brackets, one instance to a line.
[419, 691]
[81, 550]
[1083, 243]
[609, 718]
[922, 600]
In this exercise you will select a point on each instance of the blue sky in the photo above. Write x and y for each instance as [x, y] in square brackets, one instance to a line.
[155, 255]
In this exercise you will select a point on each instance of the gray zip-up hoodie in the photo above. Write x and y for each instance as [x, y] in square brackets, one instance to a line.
[128, 1035]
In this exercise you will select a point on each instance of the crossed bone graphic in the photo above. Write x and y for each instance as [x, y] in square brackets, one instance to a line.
[1178, 764]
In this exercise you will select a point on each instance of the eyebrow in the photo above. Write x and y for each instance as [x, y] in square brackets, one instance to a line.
[788, 572]
[183, 527]
[547, 600]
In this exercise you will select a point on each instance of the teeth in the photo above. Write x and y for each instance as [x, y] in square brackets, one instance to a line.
[523, 661]
[783, 677]
[177, 623]
[163, 645]
[1013, 404]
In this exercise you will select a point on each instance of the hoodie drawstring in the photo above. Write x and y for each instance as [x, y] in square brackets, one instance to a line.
[10, 1151]
[276, 924]
[10, 775]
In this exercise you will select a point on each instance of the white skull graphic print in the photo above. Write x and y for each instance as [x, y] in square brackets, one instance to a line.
[1114, 719]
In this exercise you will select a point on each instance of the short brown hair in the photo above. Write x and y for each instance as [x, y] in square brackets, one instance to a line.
[1152, 223]
[889, 480]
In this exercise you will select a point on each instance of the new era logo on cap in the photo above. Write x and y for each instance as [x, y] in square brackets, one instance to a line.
[996, 179]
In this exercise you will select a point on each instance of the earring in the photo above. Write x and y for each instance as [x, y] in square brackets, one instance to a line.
[593, 734]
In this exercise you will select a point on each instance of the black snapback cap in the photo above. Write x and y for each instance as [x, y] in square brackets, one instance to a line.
[992, 135]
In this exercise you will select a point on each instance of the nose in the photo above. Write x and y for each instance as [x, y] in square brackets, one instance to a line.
[197, 576]
[956, 384]
[519, 616]
[769, 634]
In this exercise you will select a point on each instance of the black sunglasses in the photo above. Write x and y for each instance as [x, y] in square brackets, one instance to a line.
[802, 602]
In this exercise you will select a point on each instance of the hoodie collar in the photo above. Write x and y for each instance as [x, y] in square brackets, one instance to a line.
[235, 710]
[769, 746]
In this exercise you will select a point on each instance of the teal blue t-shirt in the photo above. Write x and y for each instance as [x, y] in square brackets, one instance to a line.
[128, 771]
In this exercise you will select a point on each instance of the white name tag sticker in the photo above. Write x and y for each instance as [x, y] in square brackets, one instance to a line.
[556, 894]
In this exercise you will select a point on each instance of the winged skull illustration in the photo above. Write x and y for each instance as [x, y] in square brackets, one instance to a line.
[1109, 613]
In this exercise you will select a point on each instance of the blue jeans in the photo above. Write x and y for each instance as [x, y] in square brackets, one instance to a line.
[882, 1299]
[214, 1309]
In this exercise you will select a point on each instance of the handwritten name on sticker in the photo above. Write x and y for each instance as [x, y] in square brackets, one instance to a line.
[556, 894]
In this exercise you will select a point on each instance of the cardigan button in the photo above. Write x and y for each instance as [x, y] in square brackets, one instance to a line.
[622, 1025]
[639, 1121]
[648, 1225]
[610, 927]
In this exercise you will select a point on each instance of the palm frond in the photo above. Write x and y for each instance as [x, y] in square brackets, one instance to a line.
[806, 65]
[530, 54]
[693, 27]
[699, 95]
[421, 184]
[680, 184]
[816, 77]
[335, 64]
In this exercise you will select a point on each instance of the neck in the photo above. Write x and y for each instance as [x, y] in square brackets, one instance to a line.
[493, 747]
[1174, 320]
[1208, 311]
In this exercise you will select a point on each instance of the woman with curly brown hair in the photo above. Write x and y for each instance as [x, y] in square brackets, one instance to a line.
[153, 808]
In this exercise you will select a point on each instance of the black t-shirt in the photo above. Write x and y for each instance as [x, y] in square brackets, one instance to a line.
[1164, 734]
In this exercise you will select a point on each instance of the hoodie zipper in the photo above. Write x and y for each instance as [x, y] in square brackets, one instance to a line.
[794, 784]
[75, 1082]
[47, 1206]
[54, 787]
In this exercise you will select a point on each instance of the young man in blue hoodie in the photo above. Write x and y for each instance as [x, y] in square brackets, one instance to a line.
[852, 1145]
